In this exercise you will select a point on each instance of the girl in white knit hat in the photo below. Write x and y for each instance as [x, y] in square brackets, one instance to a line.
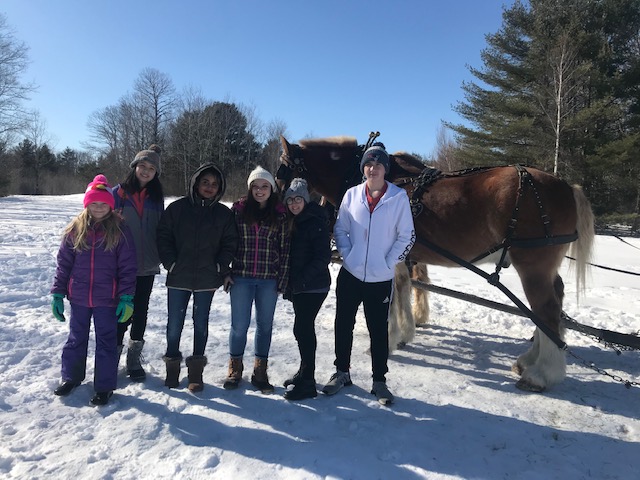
[260, 272]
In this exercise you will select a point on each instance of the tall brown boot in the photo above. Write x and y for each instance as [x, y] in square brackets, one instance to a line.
[173, 371]
[259, 379]
[195, 366]
[235, 373]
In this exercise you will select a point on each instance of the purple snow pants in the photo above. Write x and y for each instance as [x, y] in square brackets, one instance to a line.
[74, 352]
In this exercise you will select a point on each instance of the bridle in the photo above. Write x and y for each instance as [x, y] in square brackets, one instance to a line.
[292, 162]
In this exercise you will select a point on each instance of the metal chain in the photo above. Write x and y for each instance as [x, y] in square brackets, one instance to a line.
[618, 348]
[594, 367]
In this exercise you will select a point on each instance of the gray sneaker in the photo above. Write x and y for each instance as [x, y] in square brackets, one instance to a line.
[336, 382]
[382, 393]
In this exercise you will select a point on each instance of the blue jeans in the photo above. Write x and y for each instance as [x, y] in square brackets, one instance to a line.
[177, 301]
[244, 291]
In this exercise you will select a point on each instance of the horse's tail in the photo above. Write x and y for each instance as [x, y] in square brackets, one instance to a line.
[582, 248]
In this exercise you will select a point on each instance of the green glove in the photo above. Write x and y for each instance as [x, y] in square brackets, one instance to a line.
[57, 306]
[125, 308]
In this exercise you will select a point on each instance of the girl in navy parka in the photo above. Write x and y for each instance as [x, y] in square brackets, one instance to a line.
[96, 271]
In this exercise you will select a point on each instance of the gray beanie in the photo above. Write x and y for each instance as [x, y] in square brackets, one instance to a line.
[375, 153]
[151, 155]
[298, 188]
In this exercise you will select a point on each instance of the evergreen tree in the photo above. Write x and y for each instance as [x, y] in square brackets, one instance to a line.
[559, 83]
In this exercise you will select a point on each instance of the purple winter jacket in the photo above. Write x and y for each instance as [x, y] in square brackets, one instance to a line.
[96, 277]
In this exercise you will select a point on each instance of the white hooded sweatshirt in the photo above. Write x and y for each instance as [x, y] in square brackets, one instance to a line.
[371, 244]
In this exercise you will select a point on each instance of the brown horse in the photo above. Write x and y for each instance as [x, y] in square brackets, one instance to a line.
[468, 215]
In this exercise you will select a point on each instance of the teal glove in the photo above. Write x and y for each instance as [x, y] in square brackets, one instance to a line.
[125, 308]
[57, 306]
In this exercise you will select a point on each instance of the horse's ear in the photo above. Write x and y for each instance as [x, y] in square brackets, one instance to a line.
[285, 144]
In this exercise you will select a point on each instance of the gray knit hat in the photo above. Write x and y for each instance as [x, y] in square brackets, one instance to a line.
[298, 188]
[151, 155]
[375, 153]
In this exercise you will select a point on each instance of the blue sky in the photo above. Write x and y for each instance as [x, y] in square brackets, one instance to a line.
[323, 68]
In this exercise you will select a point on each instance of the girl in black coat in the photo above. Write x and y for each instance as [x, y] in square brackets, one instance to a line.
[309, 281]
[197, 240]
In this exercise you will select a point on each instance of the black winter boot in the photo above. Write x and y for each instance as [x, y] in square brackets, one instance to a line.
[173, 371]
[303, 389]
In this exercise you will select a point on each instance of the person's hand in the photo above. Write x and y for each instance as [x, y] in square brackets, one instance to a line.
[57, 306]
[227, 282]
[125, 308]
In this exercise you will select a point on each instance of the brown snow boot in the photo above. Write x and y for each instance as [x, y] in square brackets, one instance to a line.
[173, 371]
[259, 379]
[195, 366]
[235, 373]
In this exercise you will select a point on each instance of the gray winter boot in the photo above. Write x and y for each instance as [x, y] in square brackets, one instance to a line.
[195, 365]
[134, 361]
[173, 371]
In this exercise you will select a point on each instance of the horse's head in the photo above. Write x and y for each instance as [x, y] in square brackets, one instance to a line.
[330, 165]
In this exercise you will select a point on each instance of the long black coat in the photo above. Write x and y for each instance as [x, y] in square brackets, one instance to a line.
[197, 240]
[310, 252]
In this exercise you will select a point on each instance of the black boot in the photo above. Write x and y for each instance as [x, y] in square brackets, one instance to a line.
[173, 371]
[305, 388]
[101, 398]
[65, 388]
[293, 380]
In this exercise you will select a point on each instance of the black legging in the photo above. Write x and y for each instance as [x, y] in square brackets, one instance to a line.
[138, 321]
[306, 307]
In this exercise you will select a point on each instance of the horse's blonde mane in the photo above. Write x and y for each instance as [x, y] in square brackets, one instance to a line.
[339, 141]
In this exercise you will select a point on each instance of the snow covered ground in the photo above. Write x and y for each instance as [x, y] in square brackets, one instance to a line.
[457, 412]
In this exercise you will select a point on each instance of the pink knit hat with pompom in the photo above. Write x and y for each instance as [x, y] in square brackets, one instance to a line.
[99, 191]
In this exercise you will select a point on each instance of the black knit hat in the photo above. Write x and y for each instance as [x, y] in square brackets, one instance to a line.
[375, 153]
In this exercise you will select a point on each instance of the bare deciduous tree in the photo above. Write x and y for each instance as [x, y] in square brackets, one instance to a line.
[13, 92]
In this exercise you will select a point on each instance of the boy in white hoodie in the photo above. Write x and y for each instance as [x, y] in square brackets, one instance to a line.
[373, 232]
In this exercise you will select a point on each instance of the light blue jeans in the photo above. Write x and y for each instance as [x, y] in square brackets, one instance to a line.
[244, 292]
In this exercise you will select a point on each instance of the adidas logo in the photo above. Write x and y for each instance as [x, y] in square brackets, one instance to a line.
[386, 300]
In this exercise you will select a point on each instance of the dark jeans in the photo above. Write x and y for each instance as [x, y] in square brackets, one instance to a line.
[177, 301]
[306, 307]
[74, 352]
[138, 321]
[376, 298]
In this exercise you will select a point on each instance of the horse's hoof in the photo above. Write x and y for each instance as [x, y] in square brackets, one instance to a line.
[517, 369]
[401, 345]
[529, 387]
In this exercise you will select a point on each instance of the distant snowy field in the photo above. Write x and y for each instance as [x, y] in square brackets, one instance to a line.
[457, 413]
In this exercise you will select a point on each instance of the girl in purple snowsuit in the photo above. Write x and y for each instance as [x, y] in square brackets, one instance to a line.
[96, 271]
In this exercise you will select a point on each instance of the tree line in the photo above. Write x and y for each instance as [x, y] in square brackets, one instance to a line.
[558, 89]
